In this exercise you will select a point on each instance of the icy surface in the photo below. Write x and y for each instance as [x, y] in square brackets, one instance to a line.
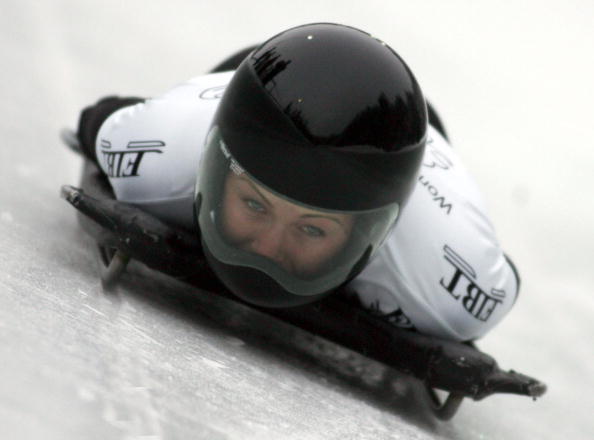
[160, 360]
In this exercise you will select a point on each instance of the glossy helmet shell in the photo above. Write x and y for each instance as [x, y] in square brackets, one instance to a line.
[329, 116]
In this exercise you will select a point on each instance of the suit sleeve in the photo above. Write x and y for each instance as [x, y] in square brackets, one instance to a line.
[442, 270]
[150, 149]
[93, 116]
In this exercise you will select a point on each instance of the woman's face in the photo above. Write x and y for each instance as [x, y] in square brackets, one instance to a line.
[299, 239]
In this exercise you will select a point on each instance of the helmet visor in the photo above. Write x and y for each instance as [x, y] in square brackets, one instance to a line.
[306, 249]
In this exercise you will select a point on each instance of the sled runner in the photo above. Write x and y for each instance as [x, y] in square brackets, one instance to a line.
[123, 232]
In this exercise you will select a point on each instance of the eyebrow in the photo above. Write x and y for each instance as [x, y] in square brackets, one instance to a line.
[255, 188]
[334, 219]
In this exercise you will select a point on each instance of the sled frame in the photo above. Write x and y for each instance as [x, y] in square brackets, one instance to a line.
[112, 264]
[443, 409]
[476, 374]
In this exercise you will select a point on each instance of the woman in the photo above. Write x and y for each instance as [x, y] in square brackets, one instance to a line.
[316, 168]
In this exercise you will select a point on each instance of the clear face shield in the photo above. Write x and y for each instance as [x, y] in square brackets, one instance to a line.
[306, 249]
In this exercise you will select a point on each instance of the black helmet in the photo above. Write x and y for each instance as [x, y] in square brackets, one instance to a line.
[312, 153]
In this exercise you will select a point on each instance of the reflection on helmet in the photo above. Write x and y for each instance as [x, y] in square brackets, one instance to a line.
[312, 153]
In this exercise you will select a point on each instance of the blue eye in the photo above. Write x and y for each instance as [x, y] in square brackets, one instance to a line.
[313, 231]
[254, 205]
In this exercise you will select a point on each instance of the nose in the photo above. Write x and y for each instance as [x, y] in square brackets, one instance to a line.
[269, 243]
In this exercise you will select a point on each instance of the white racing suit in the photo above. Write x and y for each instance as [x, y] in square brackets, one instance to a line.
[441, 270]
